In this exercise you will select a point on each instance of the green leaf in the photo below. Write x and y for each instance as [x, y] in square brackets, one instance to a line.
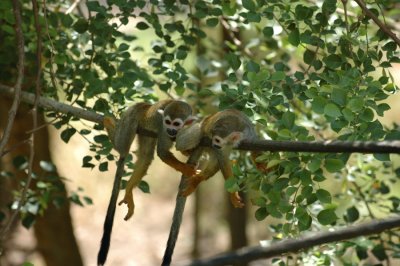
[339, 96]
[142, 25]
[352, 214]
[333, 61]
[314, 164]
[249, 5]
[252, 66]
[355, 104]
[103, 167]
[100, 138]
[308, 57]
[323, 196]
[233, 61]
[123, 47]
[231, 185]
[288, 119]
[327, 217]
[367, 115]
[348, 114]
[67, 134]
[304, 222]
[268, 32]
[144, 186]
[278, 76]
[261, 214]
[318, 104]
[87, 200]
[81, 26]
[28, 264]
[332, 110]
[303, 12]
[379, 252]
[329, 6]
[212, 22]
[390, 46]
[333, 165]
[294, 37]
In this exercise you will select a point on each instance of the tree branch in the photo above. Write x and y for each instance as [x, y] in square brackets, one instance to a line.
[251, 145]
[294, 245]
[380, 24]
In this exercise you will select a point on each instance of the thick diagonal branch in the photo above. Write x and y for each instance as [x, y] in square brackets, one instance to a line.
[251, 145]
[294, 245]
[379, 23]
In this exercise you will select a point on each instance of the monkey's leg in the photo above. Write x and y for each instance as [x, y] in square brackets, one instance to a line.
[163, 151]
[145, 156]
[109, 124]
[226, 169]
[207, 168]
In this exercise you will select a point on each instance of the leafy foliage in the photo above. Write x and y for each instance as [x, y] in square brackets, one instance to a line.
[301, 70]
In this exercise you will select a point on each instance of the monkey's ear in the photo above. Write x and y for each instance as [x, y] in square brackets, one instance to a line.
[235, 137]
[190, 120]
[161, 111]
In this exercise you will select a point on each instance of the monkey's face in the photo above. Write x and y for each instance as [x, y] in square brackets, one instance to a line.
[172, 126]
[175, 116]
[232, 139]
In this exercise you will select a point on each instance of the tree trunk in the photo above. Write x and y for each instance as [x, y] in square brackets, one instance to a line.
[55, 237]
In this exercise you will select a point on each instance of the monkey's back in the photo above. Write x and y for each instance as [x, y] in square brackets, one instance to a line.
[228, 121]
[150, 118]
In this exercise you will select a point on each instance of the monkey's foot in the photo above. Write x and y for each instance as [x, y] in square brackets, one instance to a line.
[262, 167]
[191, 185]
[236, 200]
[128, 200]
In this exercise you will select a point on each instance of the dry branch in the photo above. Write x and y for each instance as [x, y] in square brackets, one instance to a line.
[294, 245]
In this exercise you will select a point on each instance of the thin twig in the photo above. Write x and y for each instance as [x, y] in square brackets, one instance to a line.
[303, 243]
[51, 59]
[17, 92]
[380, 24]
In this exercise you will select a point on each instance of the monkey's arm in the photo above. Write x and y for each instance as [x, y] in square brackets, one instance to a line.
[145, 156]
[207, 166]
[188, 137]
[163, 151]
[226, 169]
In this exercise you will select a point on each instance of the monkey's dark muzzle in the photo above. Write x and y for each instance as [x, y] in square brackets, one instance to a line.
[172, 132]
[216, 146]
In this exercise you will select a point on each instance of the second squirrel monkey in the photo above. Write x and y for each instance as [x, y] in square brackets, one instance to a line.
[225, 129]
[165, 118]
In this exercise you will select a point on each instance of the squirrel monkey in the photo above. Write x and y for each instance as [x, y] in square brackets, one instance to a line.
[165, 118]
[225, 129]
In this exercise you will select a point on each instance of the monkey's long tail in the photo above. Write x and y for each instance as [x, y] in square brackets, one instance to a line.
[109, 221]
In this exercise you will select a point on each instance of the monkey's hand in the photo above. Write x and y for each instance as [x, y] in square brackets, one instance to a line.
[189, 170]
[128, 200]
[236, 200]
[191, 185]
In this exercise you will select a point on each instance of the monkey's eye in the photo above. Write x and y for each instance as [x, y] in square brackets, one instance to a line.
[217, 140]
[167, 122]
[177, 124]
